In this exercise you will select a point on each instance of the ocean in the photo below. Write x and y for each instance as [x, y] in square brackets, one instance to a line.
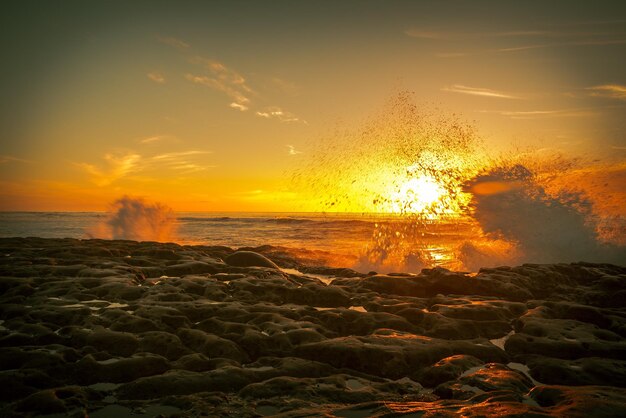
[361, 241]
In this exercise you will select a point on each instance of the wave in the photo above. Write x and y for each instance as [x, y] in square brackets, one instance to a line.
[289, 220]
[205, 219]
[321, 222]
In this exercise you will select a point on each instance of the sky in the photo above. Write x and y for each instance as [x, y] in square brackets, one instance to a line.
[210, 105]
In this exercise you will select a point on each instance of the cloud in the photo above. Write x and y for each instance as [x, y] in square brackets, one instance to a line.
[175, 155]
[11, 159]
[174, 42]
[475, 91]
[182, 161]
[156, 77]
[588, 42]
[450, 35]
[118, 166]
[534, 114]
[219, 77]
[293, 150]
[611, 91]
[238, 106]
[226, 81]
[274, 112]
[151, 139]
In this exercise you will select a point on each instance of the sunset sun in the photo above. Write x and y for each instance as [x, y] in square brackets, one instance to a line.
[417, 194]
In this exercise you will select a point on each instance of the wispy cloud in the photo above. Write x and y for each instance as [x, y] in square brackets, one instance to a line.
[169, 156]
[535, 114]
[173, 42]
[453, 35]
[238, 106]
[476, 91]
[292, 150]
[611, 91]
[11, 159]
[274, 112]
[119, 166]
[156, 77]
[225, 80]
[116, 168]
[217, 76]
[153, 139]
[588, 42]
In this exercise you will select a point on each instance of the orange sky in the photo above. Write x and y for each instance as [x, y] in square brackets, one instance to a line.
[210, 106]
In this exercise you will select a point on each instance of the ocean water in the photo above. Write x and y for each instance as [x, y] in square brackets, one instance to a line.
[362, 241]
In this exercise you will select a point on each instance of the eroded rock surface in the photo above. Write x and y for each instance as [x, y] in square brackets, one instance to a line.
[120, 328]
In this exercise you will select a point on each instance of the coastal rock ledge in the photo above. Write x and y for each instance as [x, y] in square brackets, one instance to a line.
[144, 329]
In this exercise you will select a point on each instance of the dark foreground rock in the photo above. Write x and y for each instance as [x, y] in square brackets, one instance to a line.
[121, 328]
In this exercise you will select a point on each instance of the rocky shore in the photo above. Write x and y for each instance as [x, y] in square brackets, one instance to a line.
[143, 329]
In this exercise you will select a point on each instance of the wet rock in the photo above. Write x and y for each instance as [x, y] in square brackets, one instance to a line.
[232, 339]
[249, 259]
[162, 343]
[393, 354]
[197, 362]
[446, 369]
[584, 371]
[191, 267]
[585, 401]
[211, 345]
[182, 382]
[113, 342]
[63, 400]
[117, 370]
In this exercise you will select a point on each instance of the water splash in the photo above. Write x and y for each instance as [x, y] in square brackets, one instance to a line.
[427, 167]
[135, 219]
[525, 217]
[407, 161]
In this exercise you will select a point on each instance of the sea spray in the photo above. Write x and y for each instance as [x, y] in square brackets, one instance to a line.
[133, 218]
[427, 169]
[524, 218]
[407, 160]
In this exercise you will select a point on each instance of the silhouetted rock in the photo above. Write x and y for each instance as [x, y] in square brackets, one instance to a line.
[249, 259]
[121, 327]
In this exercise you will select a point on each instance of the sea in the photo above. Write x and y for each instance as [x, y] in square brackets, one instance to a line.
[360, 241]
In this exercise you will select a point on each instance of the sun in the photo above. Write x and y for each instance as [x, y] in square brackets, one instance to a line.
[417, 194]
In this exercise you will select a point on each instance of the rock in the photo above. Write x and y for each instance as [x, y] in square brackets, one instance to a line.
[446, 369]
[211, 345]
[181, 382]
[117, 370]
[162, 343]
[584, 371]
[190, 267]
[114, 343]
[585, 401]
[249, 259]
[231, 339]
[393, 354]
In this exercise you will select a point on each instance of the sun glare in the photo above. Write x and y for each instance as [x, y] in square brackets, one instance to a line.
[417, 194]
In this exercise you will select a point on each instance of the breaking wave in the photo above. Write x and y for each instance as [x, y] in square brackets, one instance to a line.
[135, 219]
